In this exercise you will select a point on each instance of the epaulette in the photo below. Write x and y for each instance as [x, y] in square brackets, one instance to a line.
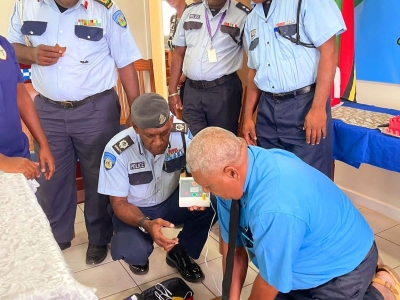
[180, 127]
[123, 144]
[107, 3]
[193, 4]
[243, 7]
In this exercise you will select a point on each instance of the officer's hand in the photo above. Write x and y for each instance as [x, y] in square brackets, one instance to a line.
[249, 132]
[47, 55]
[196, 208]
[21, 165]
[154, 227]
[175, 104]
[315, 125]
[46, 159]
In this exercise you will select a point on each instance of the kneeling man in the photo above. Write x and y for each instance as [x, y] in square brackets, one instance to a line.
[301, 231]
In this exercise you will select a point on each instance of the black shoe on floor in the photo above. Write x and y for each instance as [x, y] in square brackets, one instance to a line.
[96, 254]
[188, 268]
[64, 246]
[140, 270]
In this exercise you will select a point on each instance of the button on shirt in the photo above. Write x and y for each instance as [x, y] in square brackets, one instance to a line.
[13, 142]
[135, 173]
[97, 40]
[192, 33]
[282, 66]
[305, 231]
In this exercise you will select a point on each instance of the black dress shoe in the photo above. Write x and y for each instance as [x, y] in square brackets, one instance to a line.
[140, 270]
[188, 268]
[64, 246]
[96, 254]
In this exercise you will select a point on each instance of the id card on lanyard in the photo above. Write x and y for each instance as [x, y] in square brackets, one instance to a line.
[212, 53]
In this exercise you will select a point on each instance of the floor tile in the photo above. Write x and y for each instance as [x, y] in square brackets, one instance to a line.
[392, 234]
[108, 279]
[158, 268]
[215, 234]
[214, 275]
[123, 295]
[82, 206]
[210, 251]
[215, 226]
[389, 252]
[79, 217]
[377, 221]
[251, 265]
[76, 258]
[200, 291]
[246, 291]
[81, 235]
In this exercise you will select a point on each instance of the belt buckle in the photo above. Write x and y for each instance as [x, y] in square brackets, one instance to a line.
[67, 104]
[279, 96]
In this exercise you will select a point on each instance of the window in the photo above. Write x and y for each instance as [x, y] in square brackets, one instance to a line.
[168, 11]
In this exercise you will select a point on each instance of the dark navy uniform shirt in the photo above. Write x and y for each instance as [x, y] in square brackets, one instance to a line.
[13, 142]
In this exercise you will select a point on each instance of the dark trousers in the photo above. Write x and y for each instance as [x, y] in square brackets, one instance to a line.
[355, 285]
[280, 125]
[217, 106]
[79, 133]
[132, 245]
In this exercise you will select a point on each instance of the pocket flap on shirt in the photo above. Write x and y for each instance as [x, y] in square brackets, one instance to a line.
[89, 33]
[233, 31]
[33, 28]
[192, 25]
[287, 29]
[141, 178]
[254, 44]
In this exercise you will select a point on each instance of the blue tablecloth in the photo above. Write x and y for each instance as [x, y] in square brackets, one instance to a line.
[355, 145]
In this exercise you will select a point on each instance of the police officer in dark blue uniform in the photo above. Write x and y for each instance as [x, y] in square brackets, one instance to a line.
[15, 103]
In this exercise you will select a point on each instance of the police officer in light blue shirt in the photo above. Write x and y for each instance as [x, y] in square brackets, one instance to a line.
[292, 58]
[75, 48]
[140, 172]
[301, 231]
[208, 49]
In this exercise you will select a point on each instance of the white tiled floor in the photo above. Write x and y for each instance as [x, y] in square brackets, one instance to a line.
[114, 281]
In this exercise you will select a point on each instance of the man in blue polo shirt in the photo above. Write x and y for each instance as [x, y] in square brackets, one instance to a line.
[15, 103]
[301, 231]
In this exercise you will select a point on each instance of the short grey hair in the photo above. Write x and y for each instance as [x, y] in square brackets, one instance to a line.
[213, 149]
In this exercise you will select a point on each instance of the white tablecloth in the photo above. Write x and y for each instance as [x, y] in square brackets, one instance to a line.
[31, 263]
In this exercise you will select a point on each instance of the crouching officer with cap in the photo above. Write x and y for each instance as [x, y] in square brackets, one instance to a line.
[140, 172]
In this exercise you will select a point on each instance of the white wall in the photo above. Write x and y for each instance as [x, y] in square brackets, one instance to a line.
[369, 186]
[7, 7]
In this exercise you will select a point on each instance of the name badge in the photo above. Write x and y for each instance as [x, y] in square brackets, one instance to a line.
[212, 55]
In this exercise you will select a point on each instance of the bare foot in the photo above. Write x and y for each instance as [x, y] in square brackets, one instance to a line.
[384, 290]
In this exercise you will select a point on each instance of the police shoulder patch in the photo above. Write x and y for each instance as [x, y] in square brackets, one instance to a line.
[123, 144]
[109, 160]
[120, 19]
[107, 3]
[243, 7]
[180, 127]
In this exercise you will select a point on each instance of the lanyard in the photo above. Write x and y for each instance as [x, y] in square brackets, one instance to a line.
[219, 23]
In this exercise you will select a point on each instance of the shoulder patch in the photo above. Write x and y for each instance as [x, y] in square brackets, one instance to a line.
[107, 3]
[243, 7]
[109, 160]
[120, 19]
[193, 4]
[179, 127]
[123, 144]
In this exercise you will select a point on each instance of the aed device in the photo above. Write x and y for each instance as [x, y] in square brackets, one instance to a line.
[192, 194]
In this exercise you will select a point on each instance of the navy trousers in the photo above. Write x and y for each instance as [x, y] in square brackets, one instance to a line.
[132, 245]
[355, 285]
[217, 106]
[79, 133]
[280, 125]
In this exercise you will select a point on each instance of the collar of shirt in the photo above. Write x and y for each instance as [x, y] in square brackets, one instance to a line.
[250, 166]
[259, 9]
[224, 8]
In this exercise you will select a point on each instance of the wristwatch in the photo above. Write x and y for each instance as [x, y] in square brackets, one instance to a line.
[141, 224]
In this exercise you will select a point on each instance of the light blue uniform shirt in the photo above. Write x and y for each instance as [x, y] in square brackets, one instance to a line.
[282, 66]
[192, 33]
[136, 174]
[94, 49]
[305, 229]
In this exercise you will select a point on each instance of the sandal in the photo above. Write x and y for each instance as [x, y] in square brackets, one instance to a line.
[395, 289]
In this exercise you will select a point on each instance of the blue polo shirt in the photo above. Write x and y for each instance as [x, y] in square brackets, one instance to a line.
[13, 142]
[305, 231]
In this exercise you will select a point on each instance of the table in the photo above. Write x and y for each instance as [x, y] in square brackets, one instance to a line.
[31, 263]
[355, 145]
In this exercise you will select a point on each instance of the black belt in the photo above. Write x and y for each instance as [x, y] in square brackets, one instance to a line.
[292, 94]
[74, 104]
[203, 84]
